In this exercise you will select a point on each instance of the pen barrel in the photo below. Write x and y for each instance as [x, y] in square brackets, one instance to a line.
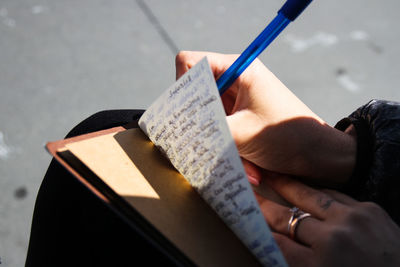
[252, 51]
[293, 8]
[289, 12]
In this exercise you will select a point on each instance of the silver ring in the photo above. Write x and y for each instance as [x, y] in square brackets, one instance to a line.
[297, 216]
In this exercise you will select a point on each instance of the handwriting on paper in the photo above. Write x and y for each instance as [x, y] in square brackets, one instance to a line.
[187, 123]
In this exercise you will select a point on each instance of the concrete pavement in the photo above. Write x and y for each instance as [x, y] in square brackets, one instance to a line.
[61, 61]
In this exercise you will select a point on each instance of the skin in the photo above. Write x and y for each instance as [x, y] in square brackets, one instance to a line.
[341, 231]
[273, 129]
[278, 136]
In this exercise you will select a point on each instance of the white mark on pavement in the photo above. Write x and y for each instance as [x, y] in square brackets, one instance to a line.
[9, 22]
[320, 38]
[347, 83]
[5, 150]
[39, 9]
[359, 35]
[6, 19]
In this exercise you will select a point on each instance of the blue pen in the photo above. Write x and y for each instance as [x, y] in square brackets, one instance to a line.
[288, 12]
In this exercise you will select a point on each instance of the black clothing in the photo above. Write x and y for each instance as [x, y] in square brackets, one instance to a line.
[377, 172]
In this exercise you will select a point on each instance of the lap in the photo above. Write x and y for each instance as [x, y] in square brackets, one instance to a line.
[72, 227]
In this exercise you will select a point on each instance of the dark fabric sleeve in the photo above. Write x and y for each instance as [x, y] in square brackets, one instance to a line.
[376, 176]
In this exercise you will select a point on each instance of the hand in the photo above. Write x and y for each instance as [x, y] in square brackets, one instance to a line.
[341, 231]
[273, 129]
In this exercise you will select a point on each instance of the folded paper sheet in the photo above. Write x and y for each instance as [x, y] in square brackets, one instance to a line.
[187, 123]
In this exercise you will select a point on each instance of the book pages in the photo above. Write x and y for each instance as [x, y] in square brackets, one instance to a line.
[188, 124]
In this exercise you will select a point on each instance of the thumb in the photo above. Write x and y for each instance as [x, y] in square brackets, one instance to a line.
[185, 60]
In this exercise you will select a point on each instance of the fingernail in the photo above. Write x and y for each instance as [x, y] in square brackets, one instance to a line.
[253, 180]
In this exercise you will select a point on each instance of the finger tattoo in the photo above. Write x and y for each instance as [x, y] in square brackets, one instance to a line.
[325, 203]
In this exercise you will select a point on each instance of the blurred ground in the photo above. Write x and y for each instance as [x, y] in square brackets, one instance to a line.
[61, 61]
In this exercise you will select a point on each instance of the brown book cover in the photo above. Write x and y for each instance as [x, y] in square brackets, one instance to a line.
[125, 170]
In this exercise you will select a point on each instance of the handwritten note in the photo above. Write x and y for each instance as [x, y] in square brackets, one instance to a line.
[187, 123]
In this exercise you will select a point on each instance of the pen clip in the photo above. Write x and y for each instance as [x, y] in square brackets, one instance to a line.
[293, 8]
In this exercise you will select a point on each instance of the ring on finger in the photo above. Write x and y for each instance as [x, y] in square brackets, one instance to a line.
[297, 216]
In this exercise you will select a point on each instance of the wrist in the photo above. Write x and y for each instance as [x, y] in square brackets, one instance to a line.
[333, 159]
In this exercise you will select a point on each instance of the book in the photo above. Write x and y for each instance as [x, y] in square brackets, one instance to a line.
[178, 178]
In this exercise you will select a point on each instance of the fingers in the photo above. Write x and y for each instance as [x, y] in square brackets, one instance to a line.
[319, 204]
[184, 60]
[229, 99]
[295, 254]
[342, 198]
[218, 62]
[252, 171]
[278, 216]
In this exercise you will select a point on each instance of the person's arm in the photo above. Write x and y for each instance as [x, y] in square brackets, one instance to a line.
[376, 176]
